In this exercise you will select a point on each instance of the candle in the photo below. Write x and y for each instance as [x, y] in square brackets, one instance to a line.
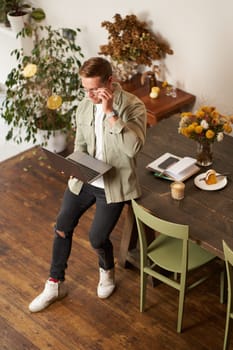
[177, 190]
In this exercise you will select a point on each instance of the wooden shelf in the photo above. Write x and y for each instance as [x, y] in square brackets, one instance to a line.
[161, 107]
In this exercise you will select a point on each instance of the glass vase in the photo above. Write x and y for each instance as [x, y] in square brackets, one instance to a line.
[204, 153]
[124, 71]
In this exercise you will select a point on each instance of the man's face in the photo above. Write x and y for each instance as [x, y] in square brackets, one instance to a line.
[93, 86]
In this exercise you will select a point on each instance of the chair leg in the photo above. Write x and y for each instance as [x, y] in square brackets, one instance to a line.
[181, 302]
[180, 311]
[223, 286]
[226, 340]
[143, 285]
[228, 327]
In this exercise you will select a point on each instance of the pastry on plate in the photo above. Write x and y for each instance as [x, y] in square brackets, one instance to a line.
[211, 177]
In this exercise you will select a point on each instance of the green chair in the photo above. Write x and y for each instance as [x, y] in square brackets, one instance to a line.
[170, 251]
[228, 253]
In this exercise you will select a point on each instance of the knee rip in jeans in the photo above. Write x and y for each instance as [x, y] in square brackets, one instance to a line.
[60, 233]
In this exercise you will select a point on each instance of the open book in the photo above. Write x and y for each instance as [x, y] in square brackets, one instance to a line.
[172, 167]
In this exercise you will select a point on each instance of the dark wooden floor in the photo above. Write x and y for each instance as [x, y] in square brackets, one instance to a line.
[30, 195]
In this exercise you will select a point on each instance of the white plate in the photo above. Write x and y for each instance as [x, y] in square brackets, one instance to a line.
[221, 182]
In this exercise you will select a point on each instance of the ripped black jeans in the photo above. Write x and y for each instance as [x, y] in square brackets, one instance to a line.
[105, 218]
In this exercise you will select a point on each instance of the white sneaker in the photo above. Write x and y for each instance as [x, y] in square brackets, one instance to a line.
[52, 291]
[106, 284]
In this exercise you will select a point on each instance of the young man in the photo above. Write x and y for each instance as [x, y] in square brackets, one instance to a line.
[111, 126]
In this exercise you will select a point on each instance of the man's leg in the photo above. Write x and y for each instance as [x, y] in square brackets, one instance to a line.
[73, 206]
[105, 219]
[72, 209]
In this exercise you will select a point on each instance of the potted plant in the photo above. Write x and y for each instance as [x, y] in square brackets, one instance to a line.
[2, 12]
[132, 43]
[43, 90]
[19, 12]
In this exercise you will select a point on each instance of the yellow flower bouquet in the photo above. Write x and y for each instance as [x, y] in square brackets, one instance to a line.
[205, 126]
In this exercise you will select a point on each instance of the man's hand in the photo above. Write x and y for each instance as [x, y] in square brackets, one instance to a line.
[106, 96]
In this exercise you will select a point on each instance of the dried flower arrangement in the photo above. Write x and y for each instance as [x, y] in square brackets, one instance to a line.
[131, 40]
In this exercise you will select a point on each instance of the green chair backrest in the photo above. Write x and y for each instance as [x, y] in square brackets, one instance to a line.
[168, 228]
[177, 231]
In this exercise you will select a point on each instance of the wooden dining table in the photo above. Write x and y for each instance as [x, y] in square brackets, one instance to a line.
[209, 214]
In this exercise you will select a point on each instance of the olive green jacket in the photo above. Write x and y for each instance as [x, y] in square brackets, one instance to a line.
[121, 143]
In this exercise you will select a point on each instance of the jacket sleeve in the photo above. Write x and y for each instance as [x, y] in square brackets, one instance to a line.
[129, 131]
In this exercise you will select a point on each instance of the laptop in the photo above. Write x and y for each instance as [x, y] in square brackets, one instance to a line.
[78, 164]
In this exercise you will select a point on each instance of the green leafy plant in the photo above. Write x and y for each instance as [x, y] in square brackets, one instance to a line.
[44, 89]
[2, 12]
[19, 8]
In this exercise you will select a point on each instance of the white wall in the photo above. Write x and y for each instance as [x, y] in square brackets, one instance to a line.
[199, 32]
[8, 43]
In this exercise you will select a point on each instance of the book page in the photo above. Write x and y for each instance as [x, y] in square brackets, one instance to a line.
[159, 164]
[181, 166]
[179, 169]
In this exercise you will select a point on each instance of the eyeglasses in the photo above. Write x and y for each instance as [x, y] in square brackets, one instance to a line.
[91, 91]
